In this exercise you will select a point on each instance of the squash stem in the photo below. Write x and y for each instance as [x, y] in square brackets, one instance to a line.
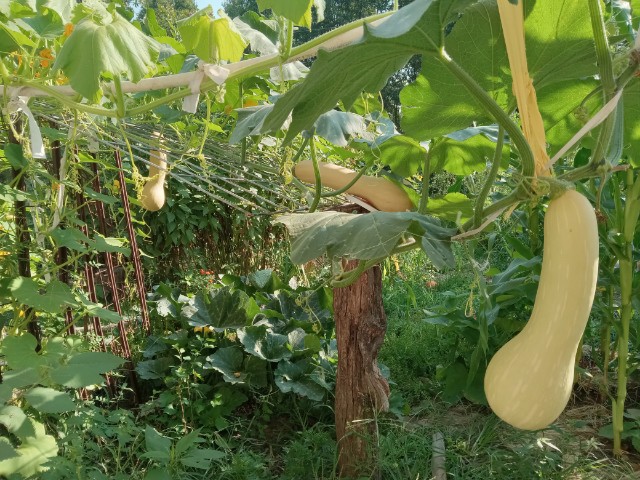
[502, 117]
[316, 172]
[603, 52]
[491, 177]
[426, 173]
[626, 308]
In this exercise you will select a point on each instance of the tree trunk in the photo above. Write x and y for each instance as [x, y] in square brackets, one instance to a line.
[361, 390]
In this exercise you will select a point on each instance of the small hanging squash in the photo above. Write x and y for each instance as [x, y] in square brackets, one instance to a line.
[152, 197]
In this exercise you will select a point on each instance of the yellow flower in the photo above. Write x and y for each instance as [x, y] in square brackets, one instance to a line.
[68, 29]
[46, 57]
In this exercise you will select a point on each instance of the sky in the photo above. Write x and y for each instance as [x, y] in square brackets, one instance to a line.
[216, 4]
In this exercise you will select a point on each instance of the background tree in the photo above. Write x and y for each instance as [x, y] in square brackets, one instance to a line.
[168, 12]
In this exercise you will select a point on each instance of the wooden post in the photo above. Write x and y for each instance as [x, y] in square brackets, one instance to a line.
[361, 390]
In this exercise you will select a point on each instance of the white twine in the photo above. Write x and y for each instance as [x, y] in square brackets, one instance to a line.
[215, 72]
[19, 104]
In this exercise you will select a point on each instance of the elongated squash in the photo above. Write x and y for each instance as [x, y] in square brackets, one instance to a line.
[152, 196]
[379, 192]
[528, 382]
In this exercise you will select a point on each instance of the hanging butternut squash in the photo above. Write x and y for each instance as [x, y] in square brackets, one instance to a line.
[378, 192]
[528, 382]
[152, 196]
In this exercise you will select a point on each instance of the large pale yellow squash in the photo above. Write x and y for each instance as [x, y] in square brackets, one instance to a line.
[528, 382]
[378, 192]
[152, 196]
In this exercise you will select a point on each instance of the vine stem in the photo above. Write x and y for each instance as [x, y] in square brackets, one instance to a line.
[351, 183]
[332, 40]
[491, 177]
[631, 210]
[490, 105]
[603, 53]
[316, 173]
[426, 173]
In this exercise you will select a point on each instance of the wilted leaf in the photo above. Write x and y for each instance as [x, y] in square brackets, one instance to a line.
[365, 236]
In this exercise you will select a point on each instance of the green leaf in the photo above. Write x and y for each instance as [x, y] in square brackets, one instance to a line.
[109, 244]
[337, 127]
[228, 361]
[158, 474]
[54, 297]
[562, 112]
[298, 378]
[6, 449]
[631, 100]
[84, 369]
[403, 154]
[363, 237]
[454, 207]
[202, 458]
[115, 47]
[10, 195]
[263, 343]
[464, 157]
[338, 75]
[18, 379]
[64, 8]
[71, 238]
[12, 39]
[298, 11]
[187, 442]
[152, 24]
[455, 381]
[156, 442]
[14, 154]
[154, 369]
[221, 309]
[17, 422]
[34, 452]
[261, 278]
[212, 39]
[48, 400]
[477, 45]
[93, 195]
[47, 25]
[250, 122]
[20, 353]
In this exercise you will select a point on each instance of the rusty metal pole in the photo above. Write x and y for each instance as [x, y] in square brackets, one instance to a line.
[135, 253]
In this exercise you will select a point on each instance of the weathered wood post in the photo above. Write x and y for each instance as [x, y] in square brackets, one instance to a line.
[361, 390]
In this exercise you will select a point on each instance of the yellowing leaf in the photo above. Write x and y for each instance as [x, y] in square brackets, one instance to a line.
[298, 11]
[212, 40]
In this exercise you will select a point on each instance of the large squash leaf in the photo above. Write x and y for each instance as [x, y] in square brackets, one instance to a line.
[366, 236]
[476, 43]
[384, 49]
[109, 44]
[631, 100]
